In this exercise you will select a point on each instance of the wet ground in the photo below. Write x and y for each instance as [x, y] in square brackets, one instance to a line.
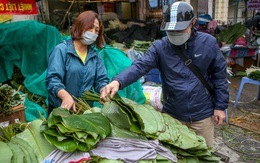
[240, 144]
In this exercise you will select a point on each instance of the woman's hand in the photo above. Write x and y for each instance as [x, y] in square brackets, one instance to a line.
[67, 100]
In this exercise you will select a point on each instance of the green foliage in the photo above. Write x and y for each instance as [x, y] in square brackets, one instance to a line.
[141, 45]
[152, 124]
[69, 132]
[121, 118]
[11, 130]
[231, 33]
[9, 98]
[32, 135]
[255, 75]
[5, 152]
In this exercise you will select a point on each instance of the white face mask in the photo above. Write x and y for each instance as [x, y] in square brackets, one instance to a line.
[88, 38]
[178, 38]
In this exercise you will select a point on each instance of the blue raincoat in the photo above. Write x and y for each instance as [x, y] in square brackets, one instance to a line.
[67, 71]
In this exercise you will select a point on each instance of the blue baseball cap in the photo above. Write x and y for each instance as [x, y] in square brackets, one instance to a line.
[203, 19]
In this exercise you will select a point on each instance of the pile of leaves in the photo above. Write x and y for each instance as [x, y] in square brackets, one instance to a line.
[9, 98]
[17, 83]
[21, 142]
[253, 72]
[141, 45]
[231, 33]
[148, 123]
[122, 118]
[69, 132]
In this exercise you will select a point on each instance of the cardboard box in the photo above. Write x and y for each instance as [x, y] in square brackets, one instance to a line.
[17, 116]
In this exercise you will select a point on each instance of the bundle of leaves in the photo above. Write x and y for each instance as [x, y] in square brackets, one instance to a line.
[22, 142]
[69, 132]
[7, 132]
[141, 45]
[255, 75]
[253, 72]
[231, 33]
[17, 83]
[145, 122]
[9, 98]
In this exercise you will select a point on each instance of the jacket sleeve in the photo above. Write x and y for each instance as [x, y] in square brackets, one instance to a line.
[56, 70]
[101, 76]
[218, 77]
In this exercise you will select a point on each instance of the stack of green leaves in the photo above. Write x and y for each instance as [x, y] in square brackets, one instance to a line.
[253, 72]
[231, 33]
[27, 146]
[255, 75]
[172, 133]
[69, 132]
[9, 98]
[141, 45]
[118, 112]
[151, 121]
[152, 124]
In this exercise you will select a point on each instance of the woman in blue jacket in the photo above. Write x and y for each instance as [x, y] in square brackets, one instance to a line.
[74, 66]
[184, 96]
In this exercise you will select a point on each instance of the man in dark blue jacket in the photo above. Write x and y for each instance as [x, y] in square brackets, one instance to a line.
[184, 96]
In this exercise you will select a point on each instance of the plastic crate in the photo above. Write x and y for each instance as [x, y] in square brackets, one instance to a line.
[17, 116]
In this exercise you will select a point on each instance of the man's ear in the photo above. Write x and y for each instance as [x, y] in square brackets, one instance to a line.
[194, 21]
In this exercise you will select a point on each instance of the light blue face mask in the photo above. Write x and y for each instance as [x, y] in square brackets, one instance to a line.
[178, 38]
[88, 38]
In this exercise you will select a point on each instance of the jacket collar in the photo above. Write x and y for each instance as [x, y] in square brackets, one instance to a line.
[71, 49]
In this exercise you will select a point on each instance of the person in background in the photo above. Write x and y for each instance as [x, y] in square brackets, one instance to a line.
[203, 21]
[184, 96]
[74, 66]
[207, 25]
[256, 22]
[241, 41]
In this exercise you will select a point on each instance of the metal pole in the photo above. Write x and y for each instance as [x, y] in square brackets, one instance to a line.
[236, 11]
[246, 18]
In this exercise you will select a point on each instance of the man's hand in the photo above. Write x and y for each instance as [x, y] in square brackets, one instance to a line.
[219, 117]
[110, 89]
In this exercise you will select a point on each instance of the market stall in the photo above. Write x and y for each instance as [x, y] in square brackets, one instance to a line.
[242, 57]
